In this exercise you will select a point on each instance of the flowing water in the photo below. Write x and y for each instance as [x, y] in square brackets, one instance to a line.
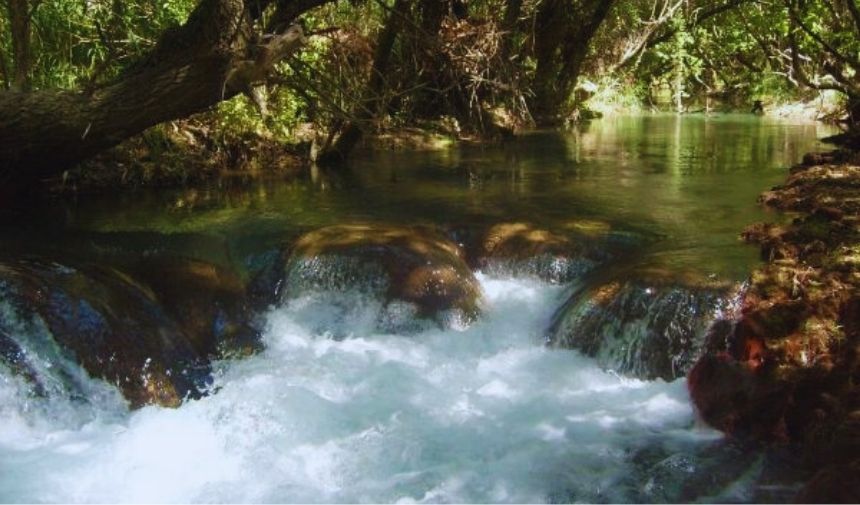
[474, 413]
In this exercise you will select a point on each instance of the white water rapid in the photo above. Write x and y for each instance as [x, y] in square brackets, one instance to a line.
[483, 414]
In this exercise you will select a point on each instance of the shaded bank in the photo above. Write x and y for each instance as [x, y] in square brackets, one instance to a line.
[788, 371]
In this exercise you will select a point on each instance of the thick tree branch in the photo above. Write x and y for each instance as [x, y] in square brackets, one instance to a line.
[212, 57]
[800, 74]
[640, 43]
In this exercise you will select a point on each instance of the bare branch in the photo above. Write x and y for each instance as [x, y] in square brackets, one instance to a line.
[699, 18]
[798, 72]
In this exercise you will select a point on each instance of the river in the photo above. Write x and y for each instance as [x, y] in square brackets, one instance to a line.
[484, 412]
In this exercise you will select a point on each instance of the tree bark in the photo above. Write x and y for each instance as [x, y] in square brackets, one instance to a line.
[562, 36]
[211, 58]
[433, 12]
[370, 106]
[513, 9]
[19, 24]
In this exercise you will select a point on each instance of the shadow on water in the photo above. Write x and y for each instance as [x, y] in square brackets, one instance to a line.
[692, 180]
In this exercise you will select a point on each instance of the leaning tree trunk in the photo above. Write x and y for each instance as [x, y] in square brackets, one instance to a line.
[562, 36]
[212, 57]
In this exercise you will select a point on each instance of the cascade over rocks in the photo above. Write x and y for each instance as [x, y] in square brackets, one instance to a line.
[416, 266]
[151, 332]
[15, 359]
[643, 324]
[111, 325]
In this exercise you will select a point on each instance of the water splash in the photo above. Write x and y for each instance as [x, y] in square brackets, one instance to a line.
[481, 414]
[641, 329]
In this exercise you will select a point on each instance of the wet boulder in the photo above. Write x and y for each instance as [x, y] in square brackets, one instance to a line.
[103, 320]
[645, 326]
[521, 249]
[414, 269]
[209, 303]
[559, 253]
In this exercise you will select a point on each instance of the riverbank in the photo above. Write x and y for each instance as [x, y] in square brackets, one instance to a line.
[183, 153]
[788, 370]
[195, 151]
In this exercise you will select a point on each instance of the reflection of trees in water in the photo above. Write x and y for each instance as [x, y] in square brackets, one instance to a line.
[696, 144]
[659, 172]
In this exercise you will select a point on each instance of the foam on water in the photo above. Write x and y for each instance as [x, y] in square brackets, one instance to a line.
[482, 414]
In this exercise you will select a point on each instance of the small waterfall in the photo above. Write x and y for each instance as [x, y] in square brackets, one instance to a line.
[45, 368]
[41, 381]
[406, 277]
[58, 319]
[644, 329]
[555, 268]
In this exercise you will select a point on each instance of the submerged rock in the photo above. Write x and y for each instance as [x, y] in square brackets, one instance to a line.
[838, 483]
[717, 472]
[645, 327]
[416, 266]
[112, 326]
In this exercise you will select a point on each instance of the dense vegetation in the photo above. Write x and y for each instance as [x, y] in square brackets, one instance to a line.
[82, 76]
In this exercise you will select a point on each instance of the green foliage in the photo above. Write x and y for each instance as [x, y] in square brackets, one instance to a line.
[646, 53]
[732, 52]
[610, 95]
[78, 43]
[238, 116]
